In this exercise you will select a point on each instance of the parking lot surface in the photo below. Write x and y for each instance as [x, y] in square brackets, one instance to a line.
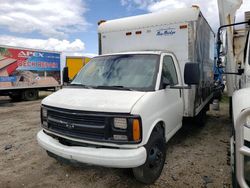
[197, 156]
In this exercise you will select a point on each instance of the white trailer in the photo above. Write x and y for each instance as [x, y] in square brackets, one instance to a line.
[125, 104]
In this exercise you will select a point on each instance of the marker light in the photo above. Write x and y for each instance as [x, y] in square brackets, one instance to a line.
[183, 26]
[136, 130]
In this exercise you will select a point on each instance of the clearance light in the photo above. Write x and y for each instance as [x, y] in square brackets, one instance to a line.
[129, 33]
[138, 32]
[183, 26]
[136, 130]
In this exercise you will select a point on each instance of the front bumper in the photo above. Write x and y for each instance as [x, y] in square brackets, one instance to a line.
[118, 158]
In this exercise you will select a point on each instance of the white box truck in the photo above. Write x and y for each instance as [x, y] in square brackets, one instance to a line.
[126, 103]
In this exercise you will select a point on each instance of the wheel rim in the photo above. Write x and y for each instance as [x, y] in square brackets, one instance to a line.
[155, 157]
[31, 94]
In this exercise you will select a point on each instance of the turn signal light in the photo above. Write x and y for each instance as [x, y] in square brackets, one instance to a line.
[136, 130]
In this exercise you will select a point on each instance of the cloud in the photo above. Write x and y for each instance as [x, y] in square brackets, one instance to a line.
[141, 4]
[55, 18]
[46, 44]
[208, 8]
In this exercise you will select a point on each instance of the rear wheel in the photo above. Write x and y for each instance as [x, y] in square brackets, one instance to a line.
[200, 119]
[151, 170]
[233, 162]
[30, 94]
[16, 96]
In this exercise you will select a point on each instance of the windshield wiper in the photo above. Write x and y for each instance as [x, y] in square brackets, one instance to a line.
[114, 87]
[81, 85]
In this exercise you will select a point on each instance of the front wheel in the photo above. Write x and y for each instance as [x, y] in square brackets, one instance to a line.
[151, 170]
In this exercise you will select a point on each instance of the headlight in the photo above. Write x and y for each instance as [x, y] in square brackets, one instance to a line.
[44, 113]
[247, 163]
[129, 129]
[44, 116]
[248, 122]
[120, 123]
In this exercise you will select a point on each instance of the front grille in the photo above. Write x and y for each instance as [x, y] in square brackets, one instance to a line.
[78, 124]
[83, 125]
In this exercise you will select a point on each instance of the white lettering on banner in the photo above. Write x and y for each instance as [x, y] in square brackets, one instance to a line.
[28, 54]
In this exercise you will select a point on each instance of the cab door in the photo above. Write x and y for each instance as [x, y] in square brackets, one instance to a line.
[173, 102]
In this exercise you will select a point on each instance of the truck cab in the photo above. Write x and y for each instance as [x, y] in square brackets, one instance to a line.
[240, 141]
[124, 108]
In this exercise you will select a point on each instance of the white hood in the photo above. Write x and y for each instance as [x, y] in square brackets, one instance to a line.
[97, 100]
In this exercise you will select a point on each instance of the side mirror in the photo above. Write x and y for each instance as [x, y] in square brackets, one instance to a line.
[65, 75]
[192, 74]
[222, 42]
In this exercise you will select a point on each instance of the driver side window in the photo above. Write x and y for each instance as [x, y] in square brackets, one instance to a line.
[168, 71]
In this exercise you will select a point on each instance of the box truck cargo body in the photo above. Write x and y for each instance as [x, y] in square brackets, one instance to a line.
[125, 104]
[185, 33]
[23, 72]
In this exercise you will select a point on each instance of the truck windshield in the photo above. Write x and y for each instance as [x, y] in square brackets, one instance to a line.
[132, 72]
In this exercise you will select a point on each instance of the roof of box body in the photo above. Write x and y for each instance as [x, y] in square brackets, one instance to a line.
[149, 20]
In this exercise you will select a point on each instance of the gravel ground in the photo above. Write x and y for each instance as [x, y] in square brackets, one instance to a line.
[196, 156]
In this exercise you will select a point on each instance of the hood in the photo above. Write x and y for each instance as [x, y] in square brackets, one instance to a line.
[97, 100]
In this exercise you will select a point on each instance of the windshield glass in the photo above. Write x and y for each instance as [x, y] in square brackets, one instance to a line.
[137, 72]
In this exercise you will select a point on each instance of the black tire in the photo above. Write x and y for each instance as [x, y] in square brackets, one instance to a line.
[151, 170]
[234, 177]
[16, 96]
[231, 108]
[200, 119]
[30, 94]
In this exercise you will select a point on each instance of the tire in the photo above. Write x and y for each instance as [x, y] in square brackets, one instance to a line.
[151, 170]
[231, 108]
[234, 177]
[30, 94]
[16, 96]
[200, 119]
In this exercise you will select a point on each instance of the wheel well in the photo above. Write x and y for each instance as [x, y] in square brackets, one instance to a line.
[160, 127]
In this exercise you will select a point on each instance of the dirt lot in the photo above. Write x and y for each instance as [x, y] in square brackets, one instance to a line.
[196, 156]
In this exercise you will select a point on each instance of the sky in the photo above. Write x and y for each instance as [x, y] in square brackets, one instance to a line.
[70, 26]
